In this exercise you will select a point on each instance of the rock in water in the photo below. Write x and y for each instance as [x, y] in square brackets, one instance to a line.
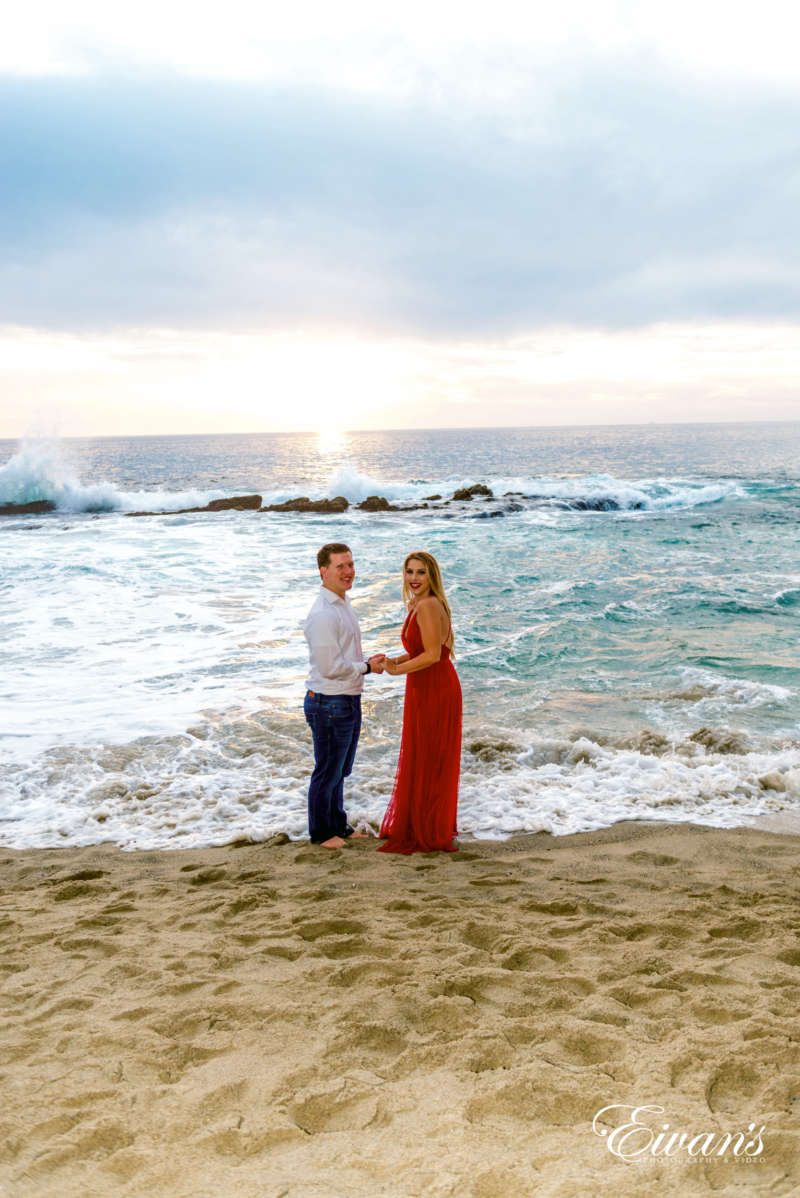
[27, 509]
[237, 503]
[465, 493]
[376, 503]
[304, 504]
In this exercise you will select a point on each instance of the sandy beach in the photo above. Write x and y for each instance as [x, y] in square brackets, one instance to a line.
[280, 1021]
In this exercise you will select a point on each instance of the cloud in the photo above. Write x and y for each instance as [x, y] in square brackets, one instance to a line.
[155, 381]
[611, 196]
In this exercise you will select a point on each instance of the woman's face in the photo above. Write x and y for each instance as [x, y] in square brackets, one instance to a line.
[417, 579]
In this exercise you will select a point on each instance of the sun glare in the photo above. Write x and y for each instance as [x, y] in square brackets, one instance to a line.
[159, 383]
[331, 444]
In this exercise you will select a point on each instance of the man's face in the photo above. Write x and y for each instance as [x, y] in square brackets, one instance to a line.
[338, 575]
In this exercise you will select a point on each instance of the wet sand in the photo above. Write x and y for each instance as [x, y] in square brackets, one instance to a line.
[279, 1021]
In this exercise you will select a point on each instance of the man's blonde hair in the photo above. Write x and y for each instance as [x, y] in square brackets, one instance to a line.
[437, 586]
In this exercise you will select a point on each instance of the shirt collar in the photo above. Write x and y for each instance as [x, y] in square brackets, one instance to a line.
[329, 596]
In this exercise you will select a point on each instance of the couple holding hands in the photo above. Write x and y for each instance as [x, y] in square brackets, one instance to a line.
[421, 816]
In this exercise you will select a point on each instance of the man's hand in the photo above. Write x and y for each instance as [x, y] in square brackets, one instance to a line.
[378, 663]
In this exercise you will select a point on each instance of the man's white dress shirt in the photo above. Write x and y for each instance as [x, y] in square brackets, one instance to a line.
[334, 646]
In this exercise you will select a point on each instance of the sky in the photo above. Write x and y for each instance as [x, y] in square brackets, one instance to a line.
[252, 217]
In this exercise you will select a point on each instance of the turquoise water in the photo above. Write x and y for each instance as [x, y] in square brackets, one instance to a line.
[627, 613]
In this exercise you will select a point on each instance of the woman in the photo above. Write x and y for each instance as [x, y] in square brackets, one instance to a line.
[421, 816]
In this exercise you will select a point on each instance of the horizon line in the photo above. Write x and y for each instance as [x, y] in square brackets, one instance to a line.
[355, 431]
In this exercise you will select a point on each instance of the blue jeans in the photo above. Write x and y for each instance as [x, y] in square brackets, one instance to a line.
[335, 723]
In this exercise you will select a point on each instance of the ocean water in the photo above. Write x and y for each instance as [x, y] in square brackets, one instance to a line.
[626, 609]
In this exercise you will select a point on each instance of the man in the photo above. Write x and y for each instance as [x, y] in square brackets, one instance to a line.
[333, 695]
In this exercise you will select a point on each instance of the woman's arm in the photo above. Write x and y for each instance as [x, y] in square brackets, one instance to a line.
[429, 620]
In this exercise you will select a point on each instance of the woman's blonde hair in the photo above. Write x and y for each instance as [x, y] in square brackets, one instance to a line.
[437, 586]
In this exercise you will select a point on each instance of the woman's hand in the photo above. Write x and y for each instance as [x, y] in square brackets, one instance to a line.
[390, 665]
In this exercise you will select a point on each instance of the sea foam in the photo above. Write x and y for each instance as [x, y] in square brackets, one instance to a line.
[597, 492]
[247, 779]
[39, 471]
[620, 659]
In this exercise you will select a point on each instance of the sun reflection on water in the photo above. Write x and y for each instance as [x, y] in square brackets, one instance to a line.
[331, 444]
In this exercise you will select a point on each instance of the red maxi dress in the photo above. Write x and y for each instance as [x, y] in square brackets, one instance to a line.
[421, 816]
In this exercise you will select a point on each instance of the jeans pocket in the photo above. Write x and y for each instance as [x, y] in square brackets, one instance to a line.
[339, 707]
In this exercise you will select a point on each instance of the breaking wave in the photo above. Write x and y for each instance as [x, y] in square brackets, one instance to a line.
[615, 666]
[595, 493]
[38, 473]
[248, 780]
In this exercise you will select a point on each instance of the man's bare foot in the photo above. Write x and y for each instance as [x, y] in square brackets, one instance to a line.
[357, 836]
[335, 842]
